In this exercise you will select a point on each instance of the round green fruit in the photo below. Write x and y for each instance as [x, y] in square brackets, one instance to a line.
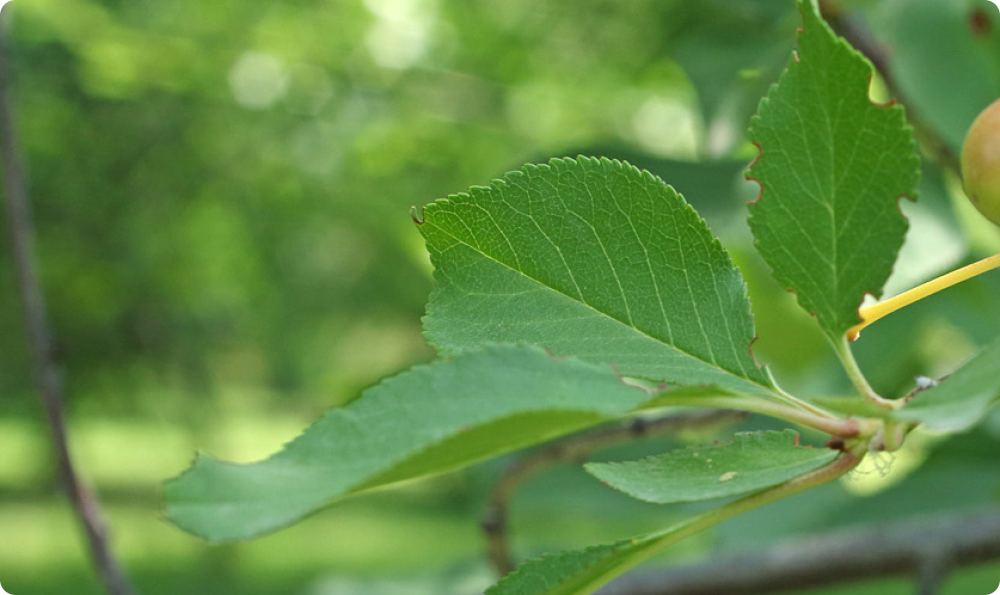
[981, 162]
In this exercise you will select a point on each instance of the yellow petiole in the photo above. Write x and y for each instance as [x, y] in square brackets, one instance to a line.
[872, 313]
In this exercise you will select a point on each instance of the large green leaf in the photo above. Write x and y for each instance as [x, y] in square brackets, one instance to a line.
[431, 419]
[751, 462]
[832, 167]
[962, 399]
[596, 259]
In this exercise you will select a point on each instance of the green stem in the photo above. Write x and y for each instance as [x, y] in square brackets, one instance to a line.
[785, 397]
[835, 426]
[793, 400]
[843, 349]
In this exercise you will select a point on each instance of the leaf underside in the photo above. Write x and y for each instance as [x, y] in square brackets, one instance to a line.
[962, 399]
[832, 167]
[430, 419]
[751, 462]
[595, 259]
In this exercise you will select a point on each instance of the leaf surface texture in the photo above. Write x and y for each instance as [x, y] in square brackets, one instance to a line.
[751, 462]
[832, 167]
[595, 259]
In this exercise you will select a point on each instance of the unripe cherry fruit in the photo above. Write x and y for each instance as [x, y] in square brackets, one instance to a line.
[981, 162]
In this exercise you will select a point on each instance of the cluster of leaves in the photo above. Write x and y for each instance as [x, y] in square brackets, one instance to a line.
[585, 290]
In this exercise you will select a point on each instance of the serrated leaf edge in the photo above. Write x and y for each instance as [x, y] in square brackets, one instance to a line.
[803, 5]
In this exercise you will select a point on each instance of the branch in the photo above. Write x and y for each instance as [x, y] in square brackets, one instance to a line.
[576, 448]
[924, 550]
[45, 372]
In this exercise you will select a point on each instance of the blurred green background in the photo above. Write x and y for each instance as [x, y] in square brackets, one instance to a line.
[222, 193]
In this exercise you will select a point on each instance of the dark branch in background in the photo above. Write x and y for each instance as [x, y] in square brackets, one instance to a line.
[925, 550]
[575, 449]
[857, 33]
[46, 374]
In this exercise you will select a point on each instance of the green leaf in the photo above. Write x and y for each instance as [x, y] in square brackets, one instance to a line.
[584, 571]
[431, 419]
[832, 167]
[580, 572]
[962, 399]
[751, 462]
[575, 572]
[595, 259]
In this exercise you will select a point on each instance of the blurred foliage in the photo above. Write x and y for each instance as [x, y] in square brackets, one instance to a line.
[221, 194]
[221, 191]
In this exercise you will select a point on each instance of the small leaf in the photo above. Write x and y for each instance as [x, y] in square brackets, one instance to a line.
[594, 259]
[575, 572]
[962, 399]
[551, 573]
[751, 462]
[581, 572]
[832, 167]
[431, 419]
